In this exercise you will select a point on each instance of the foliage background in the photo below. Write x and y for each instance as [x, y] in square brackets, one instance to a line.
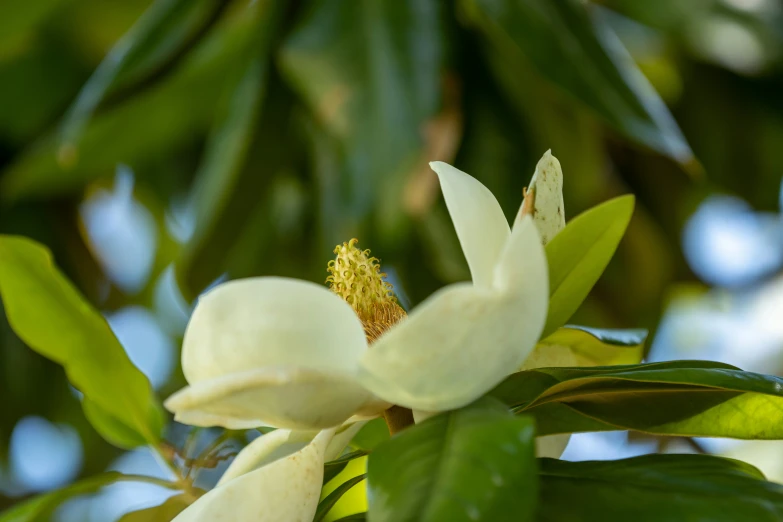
[250, 138]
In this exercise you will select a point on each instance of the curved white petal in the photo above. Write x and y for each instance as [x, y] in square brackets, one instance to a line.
[207, 420]
[284, 397]
[270, 321]
[265, 449]
[548, 207]
[286, 489]
[464, 339]
[522, 267]
[552, 446]
[481, 226]
[342, 437]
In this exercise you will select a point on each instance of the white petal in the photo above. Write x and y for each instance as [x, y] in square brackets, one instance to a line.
[522, 267]
[464, 339]
[206, 420]
[286, 489]
[552, 446]
[265, 449]
[284, 397]
[270, 321]
[481, 226]
[548, 207]
[341, 439]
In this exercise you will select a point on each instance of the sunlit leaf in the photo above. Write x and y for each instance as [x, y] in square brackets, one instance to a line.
[472, 464]
[328, 503]
[684, 398]
[334, 467]
[50, 315]
[599, 71]
[653, 488]
[596, 346]
[579, 254]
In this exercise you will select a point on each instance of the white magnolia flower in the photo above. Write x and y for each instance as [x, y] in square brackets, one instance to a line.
[292, 354]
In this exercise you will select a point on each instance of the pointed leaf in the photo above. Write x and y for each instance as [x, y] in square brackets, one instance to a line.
[579, 254]
[328, 503]
[684, 398]
[653, 488]
[50, 315]
[472, 464]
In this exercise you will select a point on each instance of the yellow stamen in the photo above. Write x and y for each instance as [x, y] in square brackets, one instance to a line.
[357, 278]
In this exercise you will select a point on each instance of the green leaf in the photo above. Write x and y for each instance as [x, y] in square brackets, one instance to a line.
[328, 503]
[334, 467]
[472, 464]
[579, 254]
[653, 488]
[356, 517]
[600, 73]
[162, 513]
[40, 507]
[372, 434]
[50, 316]
[683, 398]
[595, 346]
[362, 71]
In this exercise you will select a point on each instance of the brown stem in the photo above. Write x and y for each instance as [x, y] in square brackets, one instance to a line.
[398, 418]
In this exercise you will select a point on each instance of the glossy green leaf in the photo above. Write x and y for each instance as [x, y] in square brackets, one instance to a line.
[595, 346]
[165, 512]
[51, 317]
[331, 499]
[579, 254]
[654, 488]
[357, 517]
[684, 398]
[40, 507]
[600, 73]
[365, 68]
[472, 464]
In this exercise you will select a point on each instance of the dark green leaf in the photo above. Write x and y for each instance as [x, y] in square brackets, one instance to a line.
[50, 315]
[353, 518]
[599, 73]
[162, 513]
[472, 464]
[331, 499]
[684, 398]
[40, 507]
[579, 254]
[334, 467]
[654, 488]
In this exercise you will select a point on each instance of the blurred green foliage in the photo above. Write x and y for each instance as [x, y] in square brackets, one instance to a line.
[284, 128]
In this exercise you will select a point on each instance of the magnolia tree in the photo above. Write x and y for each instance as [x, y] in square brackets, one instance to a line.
[459, 408]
